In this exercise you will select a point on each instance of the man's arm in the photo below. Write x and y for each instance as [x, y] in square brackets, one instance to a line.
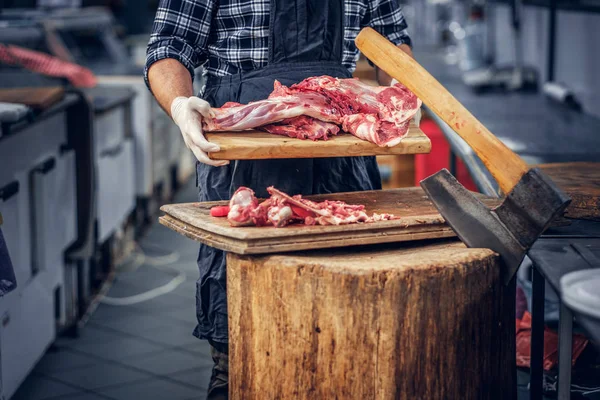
[382, 77]
[177, 46]
[169, 79]
[171, 84]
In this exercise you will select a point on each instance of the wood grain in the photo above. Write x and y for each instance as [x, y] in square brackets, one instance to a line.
[396, 322]
[419, 220]
[506, 166]
[402, 168]
[364, 71]
[581, 182]
[255, 145]
[39, 98]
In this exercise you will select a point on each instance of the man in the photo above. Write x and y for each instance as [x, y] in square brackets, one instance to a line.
[247, 45]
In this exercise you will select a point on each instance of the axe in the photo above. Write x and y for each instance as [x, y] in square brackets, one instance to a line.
[531, 202]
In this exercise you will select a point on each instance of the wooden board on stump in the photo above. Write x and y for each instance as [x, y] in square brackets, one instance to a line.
[395, 322]
[419, 220]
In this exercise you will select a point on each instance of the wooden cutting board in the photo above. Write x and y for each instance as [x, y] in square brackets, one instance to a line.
[581, 181]
[420, 220]
[254, 145]
[39, 98]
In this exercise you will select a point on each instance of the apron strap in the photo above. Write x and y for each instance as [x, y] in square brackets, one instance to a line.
[306, 30]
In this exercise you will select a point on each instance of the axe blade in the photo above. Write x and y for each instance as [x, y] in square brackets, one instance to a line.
[512, 227]
[474, 223]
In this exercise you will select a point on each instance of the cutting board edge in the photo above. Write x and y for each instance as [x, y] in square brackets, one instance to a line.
[249, 233]
[282, 147]
[398, 235]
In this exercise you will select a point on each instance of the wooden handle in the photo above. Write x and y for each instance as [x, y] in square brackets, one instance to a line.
[506, 166]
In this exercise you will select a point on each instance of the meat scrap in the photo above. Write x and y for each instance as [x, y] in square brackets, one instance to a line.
[282, 209]
[318, 107]
[244, 209]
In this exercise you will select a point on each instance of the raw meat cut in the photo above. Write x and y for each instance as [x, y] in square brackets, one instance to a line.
[241, 206]
[282, 209]
[317, 107]
[303, 127]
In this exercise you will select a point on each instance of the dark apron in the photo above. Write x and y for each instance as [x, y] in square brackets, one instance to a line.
[305, 39]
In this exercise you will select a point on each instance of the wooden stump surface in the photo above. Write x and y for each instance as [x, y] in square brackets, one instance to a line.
[400, 322]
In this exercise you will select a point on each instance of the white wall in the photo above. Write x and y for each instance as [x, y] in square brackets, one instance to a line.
[577, 57]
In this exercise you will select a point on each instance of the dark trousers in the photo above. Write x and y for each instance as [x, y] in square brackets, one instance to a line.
[219, 379]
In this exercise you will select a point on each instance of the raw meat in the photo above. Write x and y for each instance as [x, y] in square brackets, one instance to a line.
[303, 127]
[317, 107]
[241, 207]
[282, 209]
[244, 209]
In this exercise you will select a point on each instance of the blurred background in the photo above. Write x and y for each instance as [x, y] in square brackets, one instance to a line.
[105, 302]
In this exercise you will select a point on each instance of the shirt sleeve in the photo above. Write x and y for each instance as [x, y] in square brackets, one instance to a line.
[387, 18]
[180, 31]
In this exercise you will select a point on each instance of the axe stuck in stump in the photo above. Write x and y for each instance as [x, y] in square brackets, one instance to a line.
[532, 200]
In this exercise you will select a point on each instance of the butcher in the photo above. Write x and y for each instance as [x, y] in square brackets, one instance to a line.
[244, 46]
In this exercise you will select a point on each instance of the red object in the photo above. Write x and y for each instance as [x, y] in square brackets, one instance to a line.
[523, 329]
[47, 65]
[439, 157]
[301, 212]
[219, 211]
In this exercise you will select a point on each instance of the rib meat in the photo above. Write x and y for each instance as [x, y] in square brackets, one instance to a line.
[282, 209]
[317, 107]
[303, 127]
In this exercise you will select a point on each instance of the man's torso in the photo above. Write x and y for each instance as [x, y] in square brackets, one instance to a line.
[240, 33]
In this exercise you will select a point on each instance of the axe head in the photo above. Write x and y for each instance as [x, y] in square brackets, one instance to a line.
[512, 227]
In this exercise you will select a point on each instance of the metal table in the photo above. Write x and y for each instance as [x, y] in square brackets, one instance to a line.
[561, 251]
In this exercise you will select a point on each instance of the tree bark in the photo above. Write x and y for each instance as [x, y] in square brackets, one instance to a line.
[422, 322]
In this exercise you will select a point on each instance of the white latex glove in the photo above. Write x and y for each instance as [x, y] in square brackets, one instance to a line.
[187, 113]
[417, 117]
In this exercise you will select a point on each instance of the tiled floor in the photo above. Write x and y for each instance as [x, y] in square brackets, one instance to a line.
[140, 351]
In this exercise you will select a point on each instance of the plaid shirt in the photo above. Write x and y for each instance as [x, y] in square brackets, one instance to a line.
[234, 37]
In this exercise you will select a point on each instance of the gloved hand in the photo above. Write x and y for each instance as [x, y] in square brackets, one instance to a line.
[417, 117]
[187, 113]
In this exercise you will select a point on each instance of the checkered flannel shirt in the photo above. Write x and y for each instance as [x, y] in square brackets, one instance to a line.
[233, 38]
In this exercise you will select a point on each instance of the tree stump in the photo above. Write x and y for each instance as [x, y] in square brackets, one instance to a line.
[423, 322]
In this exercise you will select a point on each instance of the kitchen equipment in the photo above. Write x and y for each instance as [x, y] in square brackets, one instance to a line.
[38, 202]
[512, 78]
[114, 154]
[34, 97]
[532, 200]
[580, 291]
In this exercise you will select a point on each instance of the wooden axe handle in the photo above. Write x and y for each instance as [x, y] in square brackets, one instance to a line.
[506, 166]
